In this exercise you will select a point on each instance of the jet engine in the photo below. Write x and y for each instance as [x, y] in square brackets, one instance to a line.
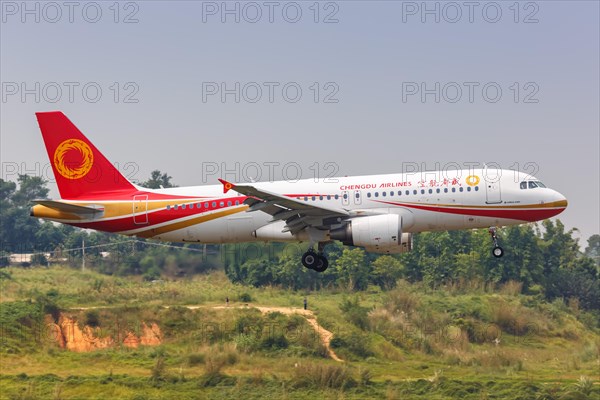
[376, 233]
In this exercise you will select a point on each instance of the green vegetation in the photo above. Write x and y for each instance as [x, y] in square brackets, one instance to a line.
[412, 341]
[446, 320]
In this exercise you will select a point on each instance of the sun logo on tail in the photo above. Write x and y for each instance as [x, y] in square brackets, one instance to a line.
[73, 159]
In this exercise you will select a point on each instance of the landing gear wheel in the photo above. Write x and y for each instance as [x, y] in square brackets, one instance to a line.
[497, 252]
[323, 264]
[314, 261]
[310, 259]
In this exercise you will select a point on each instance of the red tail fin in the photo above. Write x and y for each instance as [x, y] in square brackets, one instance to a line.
[81, 171]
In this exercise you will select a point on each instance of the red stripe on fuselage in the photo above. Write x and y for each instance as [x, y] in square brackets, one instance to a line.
[523, 214]
[159, 216]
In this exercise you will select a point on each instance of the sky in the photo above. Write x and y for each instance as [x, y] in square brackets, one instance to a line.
[274, 89]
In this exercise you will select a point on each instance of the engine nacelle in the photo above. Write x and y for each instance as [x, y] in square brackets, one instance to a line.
[377, 234]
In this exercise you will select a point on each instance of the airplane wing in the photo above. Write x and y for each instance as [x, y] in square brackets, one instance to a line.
[69, 208]
[296, 214]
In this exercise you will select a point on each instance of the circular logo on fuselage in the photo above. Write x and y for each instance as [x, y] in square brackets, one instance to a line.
[73, 159]
[472, 180]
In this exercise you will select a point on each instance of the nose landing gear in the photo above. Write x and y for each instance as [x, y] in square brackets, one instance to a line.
[497, 251]
[315, 261]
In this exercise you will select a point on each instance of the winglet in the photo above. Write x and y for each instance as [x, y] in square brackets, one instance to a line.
[226, 185]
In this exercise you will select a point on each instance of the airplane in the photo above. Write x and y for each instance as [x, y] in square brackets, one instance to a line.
[378, 212]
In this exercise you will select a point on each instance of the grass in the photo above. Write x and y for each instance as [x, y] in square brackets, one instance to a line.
[410, 342]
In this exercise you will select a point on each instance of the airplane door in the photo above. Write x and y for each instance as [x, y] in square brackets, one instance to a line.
[345, 198]
[492, 186]
[357, 197]
[140, 209]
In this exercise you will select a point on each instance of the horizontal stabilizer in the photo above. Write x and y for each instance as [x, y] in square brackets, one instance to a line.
[70, 208]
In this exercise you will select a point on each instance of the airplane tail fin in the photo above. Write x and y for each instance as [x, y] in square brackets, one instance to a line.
[81, 171]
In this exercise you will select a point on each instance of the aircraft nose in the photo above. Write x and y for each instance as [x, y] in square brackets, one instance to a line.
[559, 199]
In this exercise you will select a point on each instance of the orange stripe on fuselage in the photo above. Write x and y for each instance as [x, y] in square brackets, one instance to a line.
[190, 222]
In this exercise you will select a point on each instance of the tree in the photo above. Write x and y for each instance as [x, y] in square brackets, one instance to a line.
[386, 271]
[30, 188]
[18, 233]
[352, 270]
[524, 262]
[593, 248]
[158, 180]
[560, 249]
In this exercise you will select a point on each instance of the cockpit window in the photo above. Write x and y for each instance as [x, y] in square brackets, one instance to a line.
[531, 184]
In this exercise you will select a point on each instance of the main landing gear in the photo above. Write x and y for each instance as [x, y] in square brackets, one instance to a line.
[497, 251]
[315, 260]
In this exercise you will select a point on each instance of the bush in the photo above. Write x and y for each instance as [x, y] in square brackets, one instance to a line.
[92, 318]
[272, 342]
[39, 259]
[245, 297]
[355, 313]
[157, 372]
[355, 343]
[323, 376]
[195, 359]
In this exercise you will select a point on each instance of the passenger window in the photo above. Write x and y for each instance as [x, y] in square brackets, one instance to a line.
[453, 190]
[314, 198]
[305, 198]
[328, 197]
[369, 195]
[415, 191]
[206, 205]
[183, 206]
[523, 185]
[376, 194]
[399, 192]
[422, 191]
[430, 191]
[407, 192]
[345, 195]
[221, 204]
[460, 189]
[337, 196]
[476, 188]
[229, 203]
[357, 195]
[237, 202]
[445, 190]
[320, 197]
[214, 204]
[168, 206]
[384, 194]
[469, 189]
